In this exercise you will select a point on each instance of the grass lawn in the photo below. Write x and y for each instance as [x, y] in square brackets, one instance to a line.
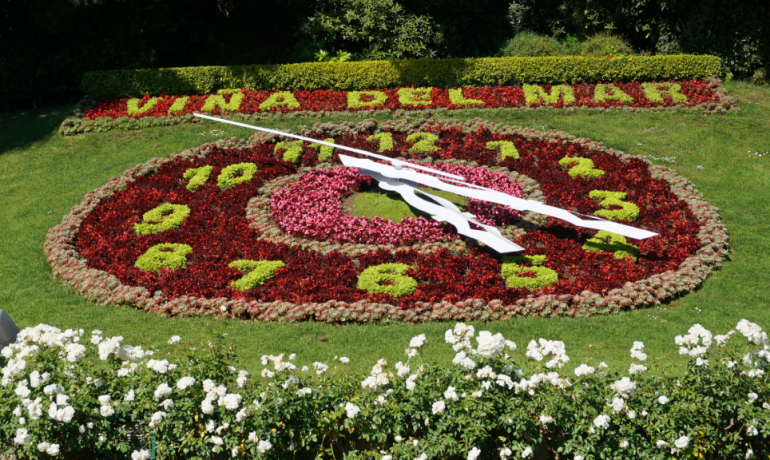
[43, 174]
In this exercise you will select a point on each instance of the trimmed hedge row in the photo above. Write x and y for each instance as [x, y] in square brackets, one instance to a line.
[353, 76]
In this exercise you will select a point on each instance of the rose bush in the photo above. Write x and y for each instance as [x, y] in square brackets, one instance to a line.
[69, 392]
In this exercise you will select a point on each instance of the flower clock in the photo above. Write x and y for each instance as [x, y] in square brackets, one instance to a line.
[269, 229]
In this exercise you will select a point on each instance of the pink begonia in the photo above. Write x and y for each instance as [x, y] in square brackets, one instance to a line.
[312, 208]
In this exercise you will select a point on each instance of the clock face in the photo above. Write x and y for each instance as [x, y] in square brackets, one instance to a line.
[278, 230]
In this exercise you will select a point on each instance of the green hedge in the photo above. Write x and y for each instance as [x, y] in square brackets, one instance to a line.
[352, 76]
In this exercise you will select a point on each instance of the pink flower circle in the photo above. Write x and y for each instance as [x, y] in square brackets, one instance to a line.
[312, 208]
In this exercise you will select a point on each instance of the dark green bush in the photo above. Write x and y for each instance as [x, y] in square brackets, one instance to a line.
[530, 44]
[738, 31]
[604, 44]
[362, 75]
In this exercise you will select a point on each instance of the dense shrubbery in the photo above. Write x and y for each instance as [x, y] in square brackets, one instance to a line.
[530, 44]
[605, 44]
[736, 31]
[368, 75]
[68, 392]
[45, 47]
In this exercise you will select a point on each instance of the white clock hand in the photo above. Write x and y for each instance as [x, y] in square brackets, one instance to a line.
[493, 196]
[446, 211]
[394, 161]
[391, 174]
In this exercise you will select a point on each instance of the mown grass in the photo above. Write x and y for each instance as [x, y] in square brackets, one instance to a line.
[390, 205]
[43, 174]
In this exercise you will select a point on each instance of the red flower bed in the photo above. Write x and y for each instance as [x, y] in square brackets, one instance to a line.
[95, 248]
[697, 92]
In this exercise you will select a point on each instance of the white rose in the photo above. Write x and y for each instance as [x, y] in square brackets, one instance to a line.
[185, 383]
[602, 421]
[682, 442]
[22, 437]
[143, 454]
[231, 401]
[418, 342]
[438, 407]
[351, 410]
[263, 446]
[207, 407]
[490, 345]
[216, 440]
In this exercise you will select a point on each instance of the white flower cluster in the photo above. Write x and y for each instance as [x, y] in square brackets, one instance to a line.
[106, 408]
[752, 332]
[262, 445]
[548, 348]
[625, 387]
[696, 343]
[602, 421]
[636, 369]
[462, 359]
[320, 368]
[414, 346]
[411, 381]
[156, 418]
[143, 454]
[490, 345]
[378, 377]
[584, 369]
[185, 383]
[531, 385]
[280, 365]
[637, 351]
[29, 342]
[242, 377]
[351, 410]
[48, 448]
[161, 367]
[111, 348]
[757, 336]
[460, 337]
[56, 404]
[682, 442]
[438, 407]
[402, 369]
[219, 395]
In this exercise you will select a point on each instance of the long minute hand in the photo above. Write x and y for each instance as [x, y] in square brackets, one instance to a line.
[493, 196]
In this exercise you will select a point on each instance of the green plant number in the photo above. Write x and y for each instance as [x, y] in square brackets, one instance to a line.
[580, 167]
[257, 272]
[373, 280]
[384, 141]
[165, 255]
[162, 218]
[628, 211]
[513, 269]
[424, 143]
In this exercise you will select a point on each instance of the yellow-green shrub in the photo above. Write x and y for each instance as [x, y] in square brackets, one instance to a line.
[363, 75]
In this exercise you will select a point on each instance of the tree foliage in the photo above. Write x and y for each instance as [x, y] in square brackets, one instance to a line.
[47, 45]
[737, 31]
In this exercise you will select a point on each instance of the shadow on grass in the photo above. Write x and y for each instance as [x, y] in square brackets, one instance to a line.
[22, 128]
